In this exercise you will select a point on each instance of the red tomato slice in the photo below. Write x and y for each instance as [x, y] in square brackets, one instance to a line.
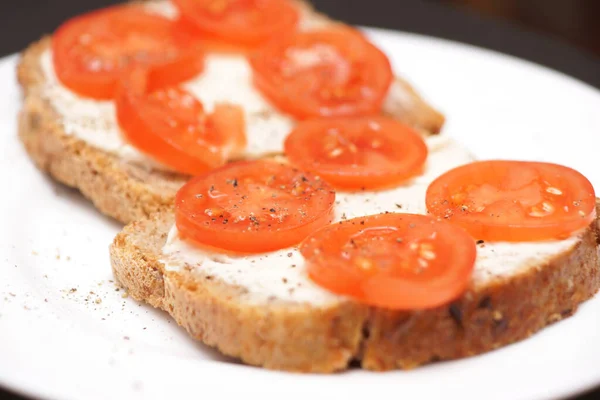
[357, 153]
[327, 73]
[397, 261]
[210, 43]
[514, 200]
[171, 125]
[91, 51]
[248, 22]
[253, 207]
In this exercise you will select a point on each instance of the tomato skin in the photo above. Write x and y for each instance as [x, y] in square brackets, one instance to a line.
[209, 43]
[333, 72]
[186, 66]
[514, 201]
[357, 153]
[171, 126]
[396, 261]
[252, 207]
[245, 23]
[91, 51]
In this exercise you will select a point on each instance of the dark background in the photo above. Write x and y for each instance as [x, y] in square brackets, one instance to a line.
[560, 34]
[555, 33]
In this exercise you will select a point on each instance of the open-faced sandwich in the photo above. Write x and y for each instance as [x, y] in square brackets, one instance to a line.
[366, 244]
[234, 79]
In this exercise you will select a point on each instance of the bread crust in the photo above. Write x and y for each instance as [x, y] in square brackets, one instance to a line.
[274, 335]
[297, 337]
[119, 189]
[122, 190]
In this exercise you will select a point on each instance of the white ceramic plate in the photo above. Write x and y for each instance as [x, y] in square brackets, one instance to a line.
[66, 331]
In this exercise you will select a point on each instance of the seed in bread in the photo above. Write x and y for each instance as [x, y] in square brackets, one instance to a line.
[77, 140]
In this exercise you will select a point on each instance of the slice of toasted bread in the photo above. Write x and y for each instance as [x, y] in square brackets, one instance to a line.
[120, 188]
[298, 336]
[117, 188]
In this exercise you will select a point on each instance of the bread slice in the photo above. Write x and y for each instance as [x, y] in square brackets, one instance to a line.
[118, 187]
[298, 336]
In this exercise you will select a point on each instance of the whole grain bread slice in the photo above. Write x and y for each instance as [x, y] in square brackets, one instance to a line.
[119, 188]
[300, 337]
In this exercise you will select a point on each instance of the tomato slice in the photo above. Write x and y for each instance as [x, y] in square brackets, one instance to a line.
[357, 153]
[171, 125]
[514, 200]
[398, 261]
[247, 22]
[91, 51]
[210, 43]
[326, 73]
[253, 207]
